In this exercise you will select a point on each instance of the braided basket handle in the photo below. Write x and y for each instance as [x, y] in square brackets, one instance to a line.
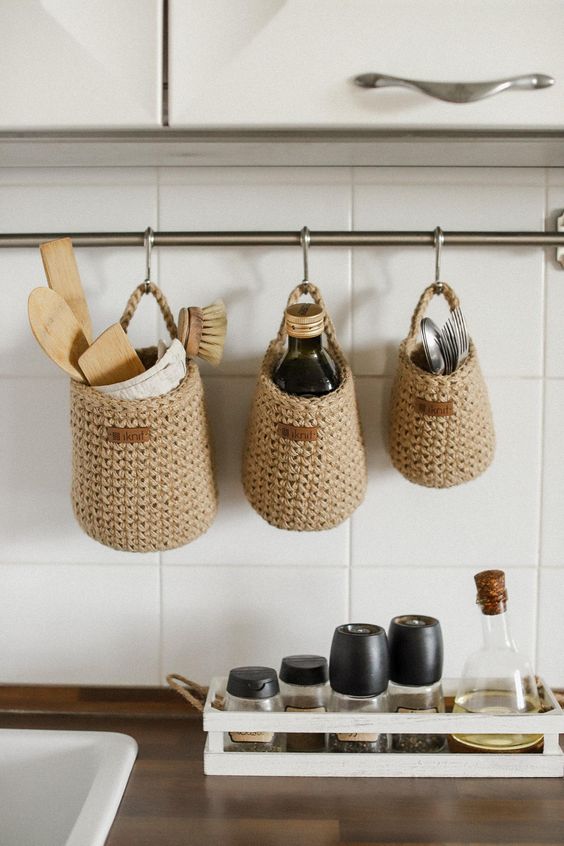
[314, 292]
[135, 299]
[424, 301]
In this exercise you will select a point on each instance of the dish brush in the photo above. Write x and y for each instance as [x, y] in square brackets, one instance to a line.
[202, 331]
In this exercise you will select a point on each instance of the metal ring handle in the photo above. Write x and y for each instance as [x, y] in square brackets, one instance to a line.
[439, 239]
[305, 240]
[457, 92]
[149, 239]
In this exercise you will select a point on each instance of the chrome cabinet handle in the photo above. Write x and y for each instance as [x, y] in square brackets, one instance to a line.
[457, 92]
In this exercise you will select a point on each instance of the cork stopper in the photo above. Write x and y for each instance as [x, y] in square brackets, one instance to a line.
[304, 320]
[492, 595]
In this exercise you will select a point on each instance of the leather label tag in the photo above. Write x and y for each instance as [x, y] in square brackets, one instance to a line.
[140, 435]
[434, 409]
[297, 433]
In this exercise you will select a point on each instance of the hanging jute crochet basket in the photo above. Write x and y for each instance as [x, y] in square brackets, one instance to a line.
[441, 427]
[304, 466]
[142, 474]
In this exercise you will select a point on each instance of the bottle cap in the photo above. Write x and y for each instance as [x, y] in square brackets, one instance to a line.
[416, 650]
[304, 669]
[359, 661]
[492, 594]
[304, 320]
[253, 682]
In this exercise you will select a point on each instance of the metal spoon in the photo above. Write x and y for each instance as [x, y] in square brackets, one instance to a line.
[431, 338]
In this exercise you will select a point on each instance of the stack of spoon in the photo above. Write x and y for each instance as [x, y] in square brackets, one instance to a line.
[446, 348]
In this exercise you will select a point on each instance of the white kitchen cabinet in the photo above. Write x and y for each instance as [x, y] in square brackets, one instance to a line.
[69, 65]
[289, 64]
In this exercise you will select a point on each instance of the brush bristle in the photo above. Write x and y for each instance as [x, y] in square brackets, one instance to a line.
[214, 329]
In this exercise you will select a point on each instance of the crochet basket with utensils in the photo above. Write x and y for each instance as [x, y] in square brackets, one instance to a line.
[441, 427]
[142, 473]
[304, 466]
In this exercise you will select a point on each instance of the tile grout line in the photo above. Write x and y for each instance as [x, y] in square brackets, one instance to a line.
[544, 282]
[352, 335]
[160, 667]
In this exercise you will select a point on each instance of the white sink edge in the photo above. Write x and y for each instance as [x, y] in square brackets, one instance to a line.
[103, 760]
[119, 754]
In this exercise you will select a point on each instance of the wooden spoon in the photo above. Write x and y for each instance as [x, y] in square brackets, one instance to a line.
[57, 330]
[63, 277]
[111, 358]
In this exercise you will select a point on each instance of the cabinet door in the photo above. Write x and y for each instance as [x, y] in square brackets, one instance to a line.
[290, 63]
[69, 65]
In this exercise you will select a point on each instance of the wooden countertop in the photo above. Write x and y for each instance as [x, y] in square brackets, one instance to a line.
[169, 801]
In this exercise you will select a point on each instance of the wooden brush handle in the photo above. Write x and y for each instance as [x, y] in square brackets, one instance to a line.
[194, 331]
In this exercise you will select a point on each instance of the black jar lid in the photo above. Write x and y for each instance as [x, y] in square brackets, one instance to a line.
[416, 650]
[253, 682]
[304, 670]
[359, 662]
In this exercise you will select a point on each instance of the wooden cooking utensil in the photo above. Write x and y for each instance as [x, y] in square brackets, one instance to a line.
[57, 330]
[111, 358]
[63, 277]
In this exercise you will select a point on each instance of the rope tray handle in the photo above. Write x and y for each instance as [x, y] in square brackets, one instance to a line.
[195, 694]
[135, 299]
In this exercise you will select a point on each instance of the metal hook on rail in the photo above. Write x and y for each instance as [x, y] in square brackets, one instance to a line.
[305, 240]
[439, 239]
[148, 240]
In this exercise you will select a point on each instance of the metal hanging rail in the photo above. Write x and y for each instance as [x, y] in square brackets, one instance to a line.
[289, 239]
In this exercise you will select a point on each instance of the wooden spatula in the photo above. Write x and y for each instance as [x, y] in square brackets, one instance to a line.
[57, 330]
[63, 277]
[110, 359]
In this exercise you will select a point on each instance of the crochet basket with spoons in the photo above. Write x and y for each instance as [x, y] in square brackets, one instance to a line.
[441, 428]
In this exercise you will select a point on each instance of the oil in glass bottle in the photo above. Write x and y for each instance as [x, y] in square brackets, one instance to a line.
[307, 368]
[496, 679]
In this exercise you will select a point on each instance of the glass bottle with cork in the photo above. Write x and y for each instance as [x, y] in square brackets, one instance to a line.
[496, 679]
[306, 369]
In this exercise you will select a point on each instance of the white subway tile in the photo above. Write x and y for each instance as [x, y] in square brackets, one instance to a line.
[550, 656]
[215, 618]
[36, 519]
[239, 536]
[552, 548]
[254, 281]
[449, 594]
[500, 288]
[77, 624]
[491, 521]
[245, 176]
[459, 176]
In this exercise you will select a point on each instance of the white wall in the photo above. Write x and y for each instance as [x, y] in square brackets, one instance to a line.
[74, 611]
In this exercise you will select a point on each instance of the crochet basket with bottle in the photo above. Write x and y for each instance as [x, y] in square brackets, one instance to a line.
[441, 427]
[142, 474]
[304, 467]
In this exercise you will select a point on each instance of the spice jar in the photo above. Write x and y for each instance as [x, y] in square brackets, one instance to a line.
[416, 665]
[358, 675]
[304, 685]
[252, 689]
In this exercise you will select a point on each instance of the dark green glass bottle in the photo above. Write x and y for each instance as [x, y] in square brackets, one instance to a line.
[306, 369]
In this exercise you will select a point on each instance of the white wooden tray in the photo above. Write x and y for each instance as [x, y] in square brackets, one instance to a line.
[549, 763]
